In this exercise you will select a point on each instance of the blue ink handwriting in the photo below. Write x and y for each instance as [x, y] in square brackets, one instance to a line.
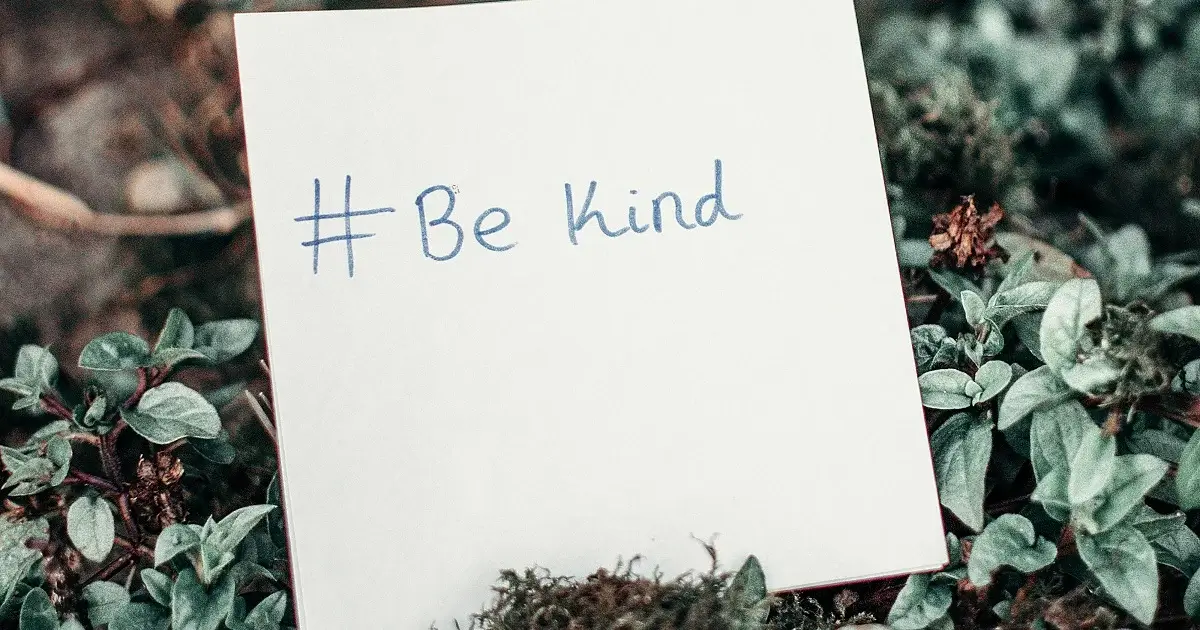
[347, 236]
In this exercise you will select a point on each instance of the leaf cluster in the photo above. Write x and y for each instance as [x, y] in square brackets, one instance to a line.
[83, 544]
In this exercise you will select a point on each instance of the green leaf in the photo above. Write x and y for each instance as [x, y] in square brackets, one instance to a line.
[173, 411]
[931, 347]
[59, 452]
[174, 540]
[18, 387]
[36, 367]
[227, 534]
[268, 614]
[194, 607]
[104, 600]
[115, 351]
[920, 603]
[177, 332]
[172, 356]
[95, 412]
[946, 389]
[1181, 321]
[1008, 541]
[1015, 273]
[217, 450]
[1092, 376]
[1178, 548]
[37, 613]
[1133, 476]
[31, 477]
[139, 616]
[1187, 479]
[961, 448]
[1123, 562]
[973, 307]
[224, 395]
[223, 340]
[1092, 467]
[16, 558]
[158, 585]
[1051, 493]
[71, 623]
[245, 572]
[1128, 251]
[275, 518]
[952, 283]
[1161, 444]
[1038, 389]
[1188, 379]
[1055, 434]
[1074, 305]
[1191, 597]
[993, 377]
[1027, 298]
[1153, 524]
[747, 592]
[90, 527]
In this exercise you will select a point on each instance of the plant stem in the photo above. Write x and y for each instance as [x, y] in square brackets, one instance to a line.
[112, 568]
[131, 527]
[56, 407]
[98, 483]
[141, 389]
[141, 550]
[86, 438]
[112, 468]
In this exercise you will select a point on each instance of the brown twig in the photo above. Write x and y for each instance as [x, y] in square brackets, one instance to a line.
[56, 209]
[261, 415]
[86, 438]
[106, 572]
[141, 550]
[131, 527]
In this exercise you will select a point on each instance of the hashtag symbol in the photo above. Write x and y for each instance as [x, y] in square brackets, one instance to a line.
[347, 236]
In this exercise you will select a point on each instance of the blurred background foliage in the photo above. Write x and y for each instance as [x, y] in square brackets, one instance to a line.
[1050, 107]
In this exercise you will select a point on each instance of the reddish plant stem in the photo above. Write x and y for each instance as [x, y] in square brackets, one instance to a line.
[112, 468]
[86, 438]
[55, 406]
[141, 550]
[1066, 542]
[106, 572]
[98, 483]
[141, 389]
[157, 376]
[131, 527]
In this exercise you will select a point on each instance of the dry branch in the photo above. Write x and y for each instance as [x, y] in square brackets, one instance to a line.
[56, 209]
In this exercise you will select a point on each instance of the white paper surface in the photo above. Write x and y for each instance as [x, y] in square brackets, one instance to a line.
[569, 404]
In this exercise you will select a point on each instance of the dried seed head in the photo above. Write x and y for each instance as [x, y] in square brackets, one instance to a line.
[157, 495]
[965, 239]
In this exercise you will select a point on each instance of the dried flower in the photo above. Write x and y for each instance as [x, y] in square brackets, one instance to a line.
[964, 238]
[157, 495]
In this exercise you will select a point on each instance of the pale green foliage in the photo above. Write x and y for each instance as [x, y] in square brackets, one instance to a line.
[200, 569]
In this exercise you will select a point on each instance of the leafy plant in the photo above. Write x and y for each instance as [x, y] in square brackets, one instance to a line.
[86, 544]
[1077, 411]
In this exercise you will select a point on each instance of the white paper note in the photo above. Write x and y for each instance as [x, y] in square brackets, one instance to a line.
[664, 306]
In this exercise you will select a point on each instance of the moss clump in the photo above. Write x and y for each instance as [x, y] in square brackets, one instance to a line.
[623, 599]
